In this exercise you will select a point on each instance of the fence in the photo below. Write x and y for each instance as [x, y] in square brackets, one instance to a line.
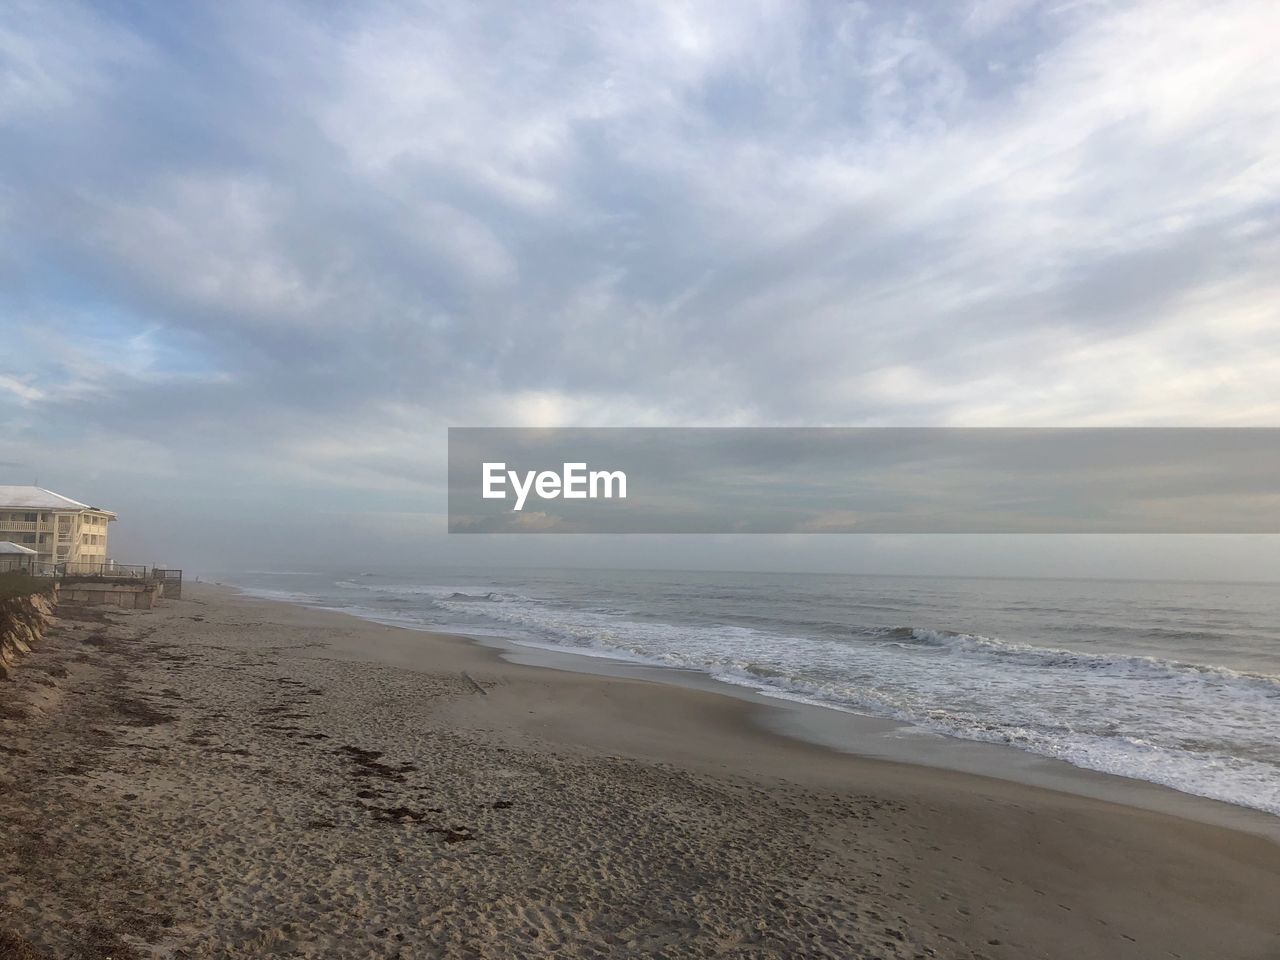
[75, 568]
[79, 568]
[169, 576]
[172, 580]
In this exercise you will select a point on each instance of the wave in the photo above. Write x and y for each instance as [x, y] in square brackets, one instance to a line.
[287, 596]
[1047, 657]
[436, 593]
[1239, 771]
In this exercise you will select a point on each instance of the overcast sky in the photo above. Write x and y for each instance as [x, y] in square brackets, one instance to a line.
[255, 257]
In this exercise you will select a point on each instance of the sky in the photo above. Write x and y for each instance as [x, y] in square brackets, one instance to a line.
[256, 257]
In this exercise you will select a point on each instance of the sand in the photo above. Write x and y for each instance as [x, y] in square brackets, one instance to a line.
[225, 777]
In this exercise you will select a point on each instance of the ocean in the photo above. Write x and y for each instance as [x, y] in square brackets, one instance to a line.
[1174, 683]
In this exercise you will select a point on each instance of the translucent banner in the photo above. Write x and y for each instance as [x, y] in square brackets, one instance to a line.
[864, 480]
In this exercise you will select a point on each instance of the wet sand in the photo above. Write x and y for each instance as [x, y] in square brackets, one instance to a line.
[225, 777]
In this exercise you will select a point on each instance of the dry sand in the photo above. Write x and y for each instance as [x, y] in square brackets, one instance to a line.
[224, 777]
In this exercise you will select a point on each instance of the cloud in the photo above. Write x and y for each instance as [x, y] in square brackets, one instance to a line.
[24, 392]
[832, 521]
[298, 246]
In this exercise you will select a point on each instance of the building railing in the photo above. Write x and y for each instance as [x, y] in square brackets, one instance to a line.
[83, 568]
[24, 526]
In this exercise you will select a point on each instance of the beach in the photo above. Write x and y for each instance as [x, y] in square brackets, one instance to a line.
[233, 777]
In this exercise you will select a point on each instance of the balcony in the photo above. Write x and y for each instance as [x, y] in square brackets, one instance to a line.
[19, 526]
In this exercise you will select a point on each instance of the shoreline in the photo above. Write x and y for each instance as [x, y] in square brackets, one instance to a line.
[867, 736]
[226, 776]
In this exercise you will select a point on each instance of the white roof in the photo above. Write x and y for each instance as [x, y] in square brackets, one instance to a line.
[8, 547]
[38, 498]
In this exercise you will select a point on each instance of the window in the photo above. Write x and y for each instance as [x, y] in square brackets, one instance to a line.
[28, 538]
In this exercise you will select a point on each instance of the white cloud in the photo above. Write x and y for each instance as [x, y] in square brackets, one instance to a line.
[209, 242]
[377, 223]
[53, 56]
[20, 388]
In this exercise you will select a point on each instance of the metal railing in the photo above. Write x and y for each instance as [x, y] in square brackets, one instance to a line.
[172, 580]
[83, 568]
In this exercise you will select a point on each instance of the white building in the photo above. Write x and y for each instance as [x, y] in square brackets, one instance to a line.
[57, 528]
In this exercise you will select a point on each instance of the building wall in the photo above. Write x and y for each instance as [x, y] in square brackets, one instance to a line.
[58, 535]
